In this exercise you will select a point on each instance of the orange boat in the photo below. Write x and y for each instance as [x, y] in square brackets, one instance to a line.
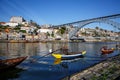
[10, 63]
[107, 51]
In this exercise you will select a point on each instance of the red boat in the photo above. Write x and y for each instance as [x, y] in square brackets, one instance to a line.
[10, 63]
[107, 51]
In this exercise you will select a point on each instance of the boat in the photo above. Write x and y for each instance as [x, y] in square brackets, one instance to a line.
[69, 56]
[11, 63]
[107, 51]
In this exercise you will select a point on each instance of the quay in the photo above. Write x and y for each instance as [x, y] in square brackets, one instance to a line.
[18, 41]
[106, 70]
[45, 41]
[31, 41]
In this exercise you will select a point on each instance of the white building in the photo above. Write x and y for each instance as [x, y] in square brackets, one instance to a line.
[12, 24]
[17, 19]
[45, 30]
[27, 29]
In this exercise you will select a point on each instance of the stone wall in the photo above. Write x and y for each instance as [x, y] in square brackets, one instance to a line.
[106, 70]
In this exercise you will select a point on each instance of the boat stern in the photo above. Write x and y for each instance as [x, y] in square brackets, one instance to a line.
[58, 56]
[83, 52]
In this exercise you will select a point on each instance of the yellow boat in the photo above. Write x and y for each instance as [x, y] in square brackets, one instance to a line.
[67, 57]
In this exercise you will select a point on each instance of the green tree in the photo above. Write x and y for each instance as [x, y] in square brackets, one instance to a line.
[84, 33]
[17, 28]
[35, 31]
[52, 34]
[97, 27]
[48, 34]
[32, 23]
[96, 33]
[23, 31]
[62, 30]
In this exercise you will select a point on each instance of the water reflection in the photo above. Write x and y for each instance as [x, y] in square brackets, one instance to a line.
[31, 49]
[42, 67]
[10, 74]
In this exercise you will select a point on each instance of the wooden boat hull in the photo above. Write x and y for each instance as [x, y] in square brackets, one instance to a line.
[107, 51]
[10, 63]
[67, 57]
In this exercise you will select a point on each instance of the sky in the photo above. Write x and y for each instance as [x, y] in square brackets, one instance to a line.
[57, 12]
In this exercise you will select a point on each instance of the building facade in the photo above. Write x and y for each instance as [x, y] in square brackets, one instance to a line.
[17, 19]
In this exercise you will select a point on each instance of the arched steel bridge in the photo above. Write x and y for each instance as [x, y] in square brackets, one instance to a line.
[104, 19]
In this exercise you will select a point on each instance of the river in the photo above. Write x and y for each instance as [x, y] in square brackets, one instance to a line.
[44, 68]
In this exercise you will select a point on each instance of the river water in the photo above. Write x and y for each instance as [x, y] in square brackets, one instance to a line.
[37, 67]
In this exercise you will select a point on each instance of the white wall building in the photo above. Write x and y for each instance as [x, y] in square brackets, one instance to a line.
[12, 24]
[27, 29]
[45, 30]
[17, 19]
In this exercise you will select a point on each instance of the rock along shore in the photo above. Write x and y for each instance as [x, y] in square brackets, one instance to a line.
[106, 70]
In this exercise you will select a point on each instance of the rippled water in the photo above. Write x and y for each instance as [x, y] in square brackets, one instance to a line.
[36, 67]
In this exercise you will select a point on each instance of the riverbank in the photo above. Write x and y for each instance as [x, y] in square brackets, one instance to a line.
[45, 41]
[106, 70]
[18, 41]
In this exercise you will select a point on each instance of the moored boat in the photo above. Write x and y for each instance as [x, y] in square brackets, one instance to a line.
[10, 63]
[107, 51]
[67, 57]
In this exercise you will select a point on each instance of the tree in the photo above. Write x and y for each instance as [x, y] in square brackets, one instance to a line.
[52, 34]
[48, 34]
[84, 33]
[96, 27]
[62, 30]
[96, 33]
[35, 31]
[23, 31]
[17, 28]
[32, 23]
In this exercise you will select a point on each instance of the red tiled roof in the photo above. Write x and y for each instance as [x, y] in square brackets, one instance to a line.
[2, 22]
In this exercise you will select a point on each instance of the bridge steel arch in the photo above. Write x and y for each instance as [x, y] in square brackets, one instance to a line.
[107, 21]
[104, 19]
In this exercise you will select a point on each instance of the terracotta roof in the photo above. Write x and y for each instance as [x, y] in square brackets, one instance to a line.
[2, 22]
